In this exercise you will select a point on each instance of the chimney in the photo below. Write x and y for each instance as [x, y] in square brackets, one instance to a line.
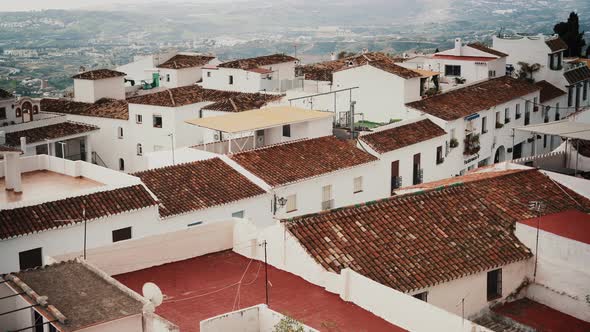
[365, 50]
[12, 171]
[332, 56]
[458, 45]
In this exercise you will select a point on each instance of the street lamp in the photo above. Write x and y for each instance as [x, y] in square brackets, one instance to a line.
[278, 202]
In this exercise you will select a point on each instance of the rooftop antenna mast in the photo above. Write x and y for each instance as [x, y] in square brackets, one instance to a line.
[85, 220]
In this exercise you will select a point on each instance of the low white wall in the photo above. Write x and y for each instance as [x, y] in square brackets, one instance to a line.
[563, 274]
[286, 253]
[258, 318]
[133, 255]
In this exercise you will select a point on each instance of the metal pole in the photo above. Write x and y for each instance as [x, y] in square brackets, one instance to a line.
[85, 233]
[265, 273]
[15, 310]
[536, 248]
[33, 326]
[12, 295]
[577, 154]
[513, 135]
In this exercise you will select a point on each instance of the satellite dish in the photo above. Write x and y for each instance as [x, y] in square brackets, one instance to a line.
[152, 293]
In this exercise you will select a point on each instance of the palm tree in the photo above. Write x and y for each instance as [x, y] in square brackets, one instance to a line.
[527, 70]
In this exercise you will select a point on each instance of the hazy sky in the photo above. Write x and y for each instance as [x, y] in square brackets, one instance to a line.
[18, 5]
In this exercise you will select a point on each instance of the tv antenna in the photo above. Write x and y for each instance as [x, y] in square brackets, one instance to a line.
[84, 219]
[152, 293]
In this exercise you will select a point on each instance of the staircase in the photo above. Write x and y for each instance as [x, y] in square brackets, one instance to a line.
[500, 323]
[96, 159]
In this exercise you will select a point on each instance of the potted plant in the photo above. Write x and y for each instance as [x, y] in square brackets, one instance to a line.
[499, 125]
[453, 143]
[471, 145]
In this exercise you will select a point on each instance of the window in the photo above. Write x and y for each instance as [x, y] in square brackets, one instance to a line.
[557, 116]
[52, 328]
[484, 124]
[231, 79]
[2, 112]
[35, 109]
[494, 284]
[208, 74]
[358, 184]
[491, 73]
[506, 115]
[451, 70]
[121, 164]
[120, 132]
[287, 131]
[439, 155]
[139, 149]
[517, 113]
[18, 113]
[30, 258]
[291, 203]
[327, 197]
[200, 114]
[122, 234]
[570, 96]
[421, 296]
[157, 121]
[138, 118]
[238, 214]
[167, 77]
[585, 93]
[544, 141]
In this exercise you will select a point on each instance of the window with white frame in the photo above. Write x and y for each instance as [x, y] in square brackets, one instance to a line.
[517, 112]
[507, 115]
[358, 184]
[167, 77]
[139, 149]
[138, 118]
[491, 73]
[291, 203]
[231, 79]
[421, 296]
[121, 164]
[452, 70]
[120, 132]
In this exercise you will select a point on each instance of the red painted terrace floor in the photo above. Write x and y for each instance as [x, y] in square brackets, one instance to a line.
[572, 224]
[207, 286]
[541, 317]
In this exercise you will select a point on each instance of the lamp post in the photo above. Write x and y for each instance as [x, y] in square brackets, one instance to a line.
[278, 202]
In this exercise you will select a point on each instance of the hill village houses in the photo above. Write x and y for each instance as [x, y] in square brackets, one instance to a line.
[440, 185]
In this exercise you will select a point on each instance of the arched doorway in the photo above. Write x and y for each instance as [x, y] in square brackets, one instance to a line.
[27, 111]
[500, 155]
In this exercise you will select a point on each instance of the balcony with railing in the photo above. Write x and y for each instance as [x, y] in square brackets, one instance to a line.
[396, 182]
[327, 205]
[471, 145]
[418, 176]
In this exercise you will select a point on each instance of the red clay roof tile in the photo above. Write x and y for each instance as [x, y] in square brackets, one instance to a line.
[53, 131]
[102, 108]
[486, 49]
[402, 136]
[418, 240]
[556, 44]
[197, 185]
[98, 74]
[49, 215]
[291, 162]
[181, 61]
[548, 91]
[255, 62]
[474, 98]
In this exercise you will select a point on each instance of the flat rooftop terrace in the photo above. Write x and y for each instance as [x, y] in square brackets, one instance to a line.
[44, 184]
[207, 286]
[541, 317]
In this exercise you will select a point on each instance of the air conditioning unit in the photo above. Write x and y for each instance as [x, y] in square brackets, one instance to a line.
[216, 137]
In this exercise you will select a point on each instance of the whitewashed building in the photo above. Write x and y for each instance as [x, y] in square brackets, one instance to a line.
[479, 119]
[413, 151]
[312, 175]
[184, 69]
[269, 73]
[463, 64]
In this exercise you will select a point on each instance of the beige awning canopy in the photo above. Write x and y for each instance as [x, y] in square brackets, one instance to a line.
[426, 73]
[259, 119]
[564, 128]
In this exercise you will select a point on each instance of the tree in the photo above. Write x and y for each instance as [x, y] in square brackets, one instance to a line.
[344, 54]
[527, 70]
[570, 33]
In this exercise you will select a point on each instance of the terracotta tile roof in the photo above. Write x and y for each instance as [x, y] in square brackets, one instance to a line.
[322, 71]
[197, 185]
[572, 224]
[103, 108]
[81, 295]
[383, 62]
[53, 131]
[477, 175]
[399, 137]
[180, 61]
[474, 98]
[578, 74]
[6, 148]
[486, 49]
[291, 162]
[5, 94]
[548, 91]
[258, 61]
[556, 44]
[418, 240]
[98, 74]
[464, 57]
[243, 102]
[49, 215]
[193, 94]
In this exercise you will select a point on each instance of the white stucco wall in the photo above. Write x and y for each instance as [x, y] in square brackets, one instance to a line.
[243, 81]
[89, 91]
[381, 95]
[563, 275]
